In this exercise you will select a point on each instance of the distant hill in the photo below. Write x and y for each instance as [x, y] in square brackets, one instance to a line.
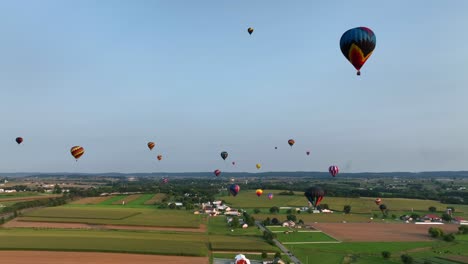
[296, 174]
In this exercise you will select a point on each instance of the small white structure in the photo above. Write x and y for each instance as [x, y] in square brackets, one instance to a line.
[244, 226]
[2, 190]
[241, 259]
[233, 213]
[288, 224]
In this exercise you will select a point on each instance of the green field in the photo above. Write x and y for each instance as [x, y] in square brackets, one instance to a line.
[22, 194]
[303, 237]
[247, 199]
[164, 243]
[114, 216]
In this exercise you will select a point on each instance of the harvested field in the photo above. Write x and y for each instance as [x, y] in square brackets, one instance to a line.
[92, 200]
[157, 198]
[50, 257]
[127, 199]
[22, 224]
[372, 232]
[29, 198]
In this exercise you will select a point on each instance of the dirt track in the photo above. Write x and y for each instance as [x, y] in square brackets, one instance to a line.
[50, 257]
[373, 232]
[15, 223]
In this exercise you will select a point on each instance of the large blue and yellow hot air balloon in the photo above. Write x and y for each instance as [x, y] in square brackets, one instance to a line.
[357, 45]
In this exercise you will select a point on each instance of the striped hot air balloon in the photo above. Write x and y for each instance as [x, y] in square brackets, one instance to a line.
[151, 145]
[159, 157]
[217, 172]
[77, 152]
[333, 170]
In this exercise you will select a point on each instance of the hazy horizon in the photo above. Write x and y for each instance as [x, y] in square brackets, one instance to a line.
[111, 76]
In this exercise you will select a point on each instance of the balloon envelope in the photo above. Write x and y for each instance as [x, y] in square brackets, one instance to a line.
[258, 166]
[151, 145]
[333, 170]
[234, 189]
[291, 142]
[270, 196]
[259, 192]
[217, 172]
[314, 195]
[159, 157]
[19, 140]
[250, 30]
[77, 152]
[357, 45]
[224, 155]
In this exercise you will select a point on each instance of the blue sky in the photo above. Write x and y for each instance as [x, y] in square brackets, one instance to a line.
[112, 75]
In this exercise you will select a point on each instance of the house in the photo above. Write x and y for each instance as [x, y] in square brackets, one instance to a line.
[431, 218]
[288, 223]
[10, 191]
[327, 211]
[217, 203]
[176, 204]
[2, 190]
[233, 213]
[460, 220]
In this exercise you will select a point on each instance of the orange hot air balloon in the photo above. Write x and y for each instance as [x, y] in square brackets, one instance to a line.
[291, 142]
[77, 152]
[151, 145]
[259, 192]
[159, 157]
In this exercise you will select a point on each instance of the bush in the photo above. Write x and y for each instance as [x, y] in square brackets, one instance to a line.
[449, 237]
[256, 211]
[291, 217]
[432, 209]
[463, 229]
[289, 211]
[435, 232]
[274, 210]
[407, 259]
[274, 221]
[386, 254]
[264, 255]
[277, 255]
[347, 209]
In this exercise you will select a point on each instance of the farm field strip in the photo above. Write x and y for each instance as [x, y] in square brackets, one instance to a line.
[141, 200]
[311, 242]
[127, 199]
[29, 198]
[114, 216]
[157, 198]
[165, 243]
[91, 200]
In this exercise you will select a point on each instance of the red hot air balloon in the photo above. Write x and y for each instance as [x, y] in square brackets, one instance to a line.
[234, 189]
[77, 152]
[378, 201]
[333, 170]
[217, 172]
[165, 180]
[19, 140]
[159, 157]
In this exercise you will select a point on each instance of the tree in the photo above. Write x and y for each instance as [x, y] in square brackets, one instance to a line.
[347, 209]
[435, 232]
[235, 222]
[172, 206]
[266, 221]
[264, 255]
[291, 217]
[57, 189]
[2, 220]
[324, 206]
[386, 254]
[451, 207]
[289, 211]
[278, 254]
[189, 206]
[446, 217]
[300, 222]
[274, 210]
[275, 221]
[407, 259]
[15, 214]
[256, 210]
[432, 209]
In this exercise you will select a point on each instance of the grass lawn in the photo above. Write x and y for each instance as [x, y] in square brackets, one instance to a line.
[163, 243]
[115, 216]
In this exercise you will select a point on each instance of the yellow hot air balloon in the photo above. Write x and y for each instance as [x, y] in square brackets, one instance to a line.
[259, 192]
[258, 166]
[77, 152]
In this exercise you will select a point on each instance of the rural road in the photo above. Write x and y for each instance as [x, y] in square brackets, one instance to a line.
[279, 245]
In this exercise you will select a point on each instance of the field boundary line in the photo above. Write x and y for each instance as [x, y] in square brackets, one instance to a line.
[315, 242]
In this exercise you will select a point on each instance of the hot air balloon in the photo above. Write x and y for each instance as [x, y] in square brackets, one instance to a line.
[357, 45]
[165, 180]
[259, 192]
[241, 259]
[258, 166]
[270, 196]
[19, 140]
[151, 145]
[224, 155]
[234, 189]
[233, 163]
[308, 153]
[378, 201]
[314, 195]
[77, 152]
[333, 170]
[159, 157]
[250, 30]
[291, 142]
[217, 172]
[276, 147]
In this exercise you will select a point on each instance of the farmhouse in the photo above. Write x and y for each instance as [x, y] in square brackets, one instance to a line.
[233, 213]
[288, 224]
[460, 220]
[431, 218]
